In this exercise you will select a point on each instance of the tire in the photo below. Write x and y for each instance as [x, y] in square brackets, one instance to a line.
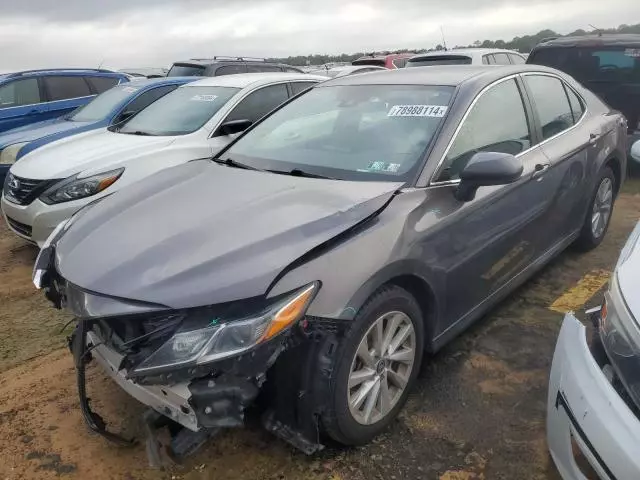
[588, 239]
[338, 420]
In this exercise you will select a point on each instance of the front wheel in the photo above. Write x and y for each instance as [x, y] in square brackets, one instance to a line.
[377, 364]
[598, 216]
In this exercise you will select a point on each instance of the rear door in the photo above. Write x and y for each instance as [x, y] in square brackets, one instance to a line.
[485, 243]
[21, 103]
[65, 93]
[559, 112]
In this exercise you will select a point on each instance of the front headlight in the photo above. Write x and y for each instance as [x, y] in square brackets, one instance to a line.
[9, 154]
[76, 188]
[221, 340]
[620, 335]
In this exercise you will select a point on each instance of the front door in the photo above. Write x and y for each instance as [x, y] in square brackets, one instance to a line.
[479, 246]
[21, 103]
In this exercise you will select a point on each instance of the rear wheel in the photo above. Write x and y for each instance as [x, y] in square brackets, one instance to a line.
[598, 216]
[376, 367]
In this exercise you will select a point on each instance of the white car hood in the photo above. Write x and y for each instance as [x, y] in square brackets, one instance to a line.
[90, 152]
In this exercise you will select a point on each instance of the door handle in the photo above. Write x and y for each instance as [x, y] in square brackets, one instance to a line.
[593, 138]
[540, 169]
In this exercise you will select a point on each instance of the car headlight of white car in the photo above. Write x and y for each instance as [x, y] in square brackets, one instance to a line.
[75, 188]
[9, 154]
[620, 331]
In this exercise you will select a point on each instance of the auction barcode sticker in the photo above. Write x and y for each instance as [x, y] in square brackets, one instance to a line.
[632, 52]
[417, 111]
[204, 98]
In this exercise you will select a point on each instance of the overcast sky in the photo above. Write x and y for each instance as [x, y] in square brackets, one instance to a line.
[139, 33]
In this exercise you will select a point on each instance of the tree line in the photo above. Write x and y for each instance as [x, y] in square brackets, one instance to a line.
[522, 44]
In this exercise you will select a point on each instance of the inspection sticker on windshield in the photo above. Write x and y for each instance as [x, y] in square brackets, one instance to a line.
[204, 98]
[632, 52]
[417, 111]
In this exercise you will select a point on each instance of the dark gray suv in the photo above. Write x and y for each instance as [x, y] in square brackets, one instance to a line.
[317, 258]
[220, 65]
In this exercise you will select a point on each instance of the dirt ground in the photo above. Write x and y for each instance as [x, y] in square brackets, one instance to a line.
[478, 412]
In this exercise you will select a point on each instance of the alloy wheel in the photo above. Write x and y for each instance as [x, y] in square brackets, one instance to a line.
[602, 206]
[381, 367]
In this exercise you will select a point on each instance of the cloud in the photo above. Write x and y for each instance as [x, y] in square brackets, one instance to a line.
[45, 33]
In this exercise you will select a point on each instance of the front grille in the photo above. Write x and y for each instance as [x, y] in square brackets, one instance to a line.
[23, 191]
[21, 228]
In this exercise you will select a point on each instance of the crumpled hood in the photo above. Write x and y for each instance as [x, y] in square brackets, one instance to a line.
[201, 233]
[34, 131]
[96, 149]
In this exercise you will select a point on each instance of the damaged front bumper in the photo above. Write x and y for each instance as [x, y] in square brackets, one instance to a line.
[290, 371]
[586, 416]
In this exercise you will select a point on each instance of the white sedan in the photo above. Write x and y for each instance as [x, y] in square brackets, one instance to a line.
[194, 121]
[593, 429]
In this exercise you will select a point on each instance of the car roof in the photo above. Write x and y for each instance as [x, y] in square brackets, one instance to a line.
[242, 80]
[347, 68]
[147, 82]
[65, 71]
[442, 75]
[595, 39]
[216, 60]
[471, 52]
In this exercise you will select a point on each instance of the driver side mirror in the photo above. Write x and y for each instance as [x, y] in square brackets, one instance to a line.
[232, 127]
[485, 169]
[635, 151]
[126, 115]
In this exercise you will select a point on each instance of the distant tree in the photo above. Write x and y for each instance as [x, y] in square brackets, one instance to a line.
[522, 44]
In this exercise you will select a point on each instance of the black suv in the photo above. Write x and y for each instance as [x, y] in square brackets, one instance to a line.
[608, 65]
[216, 66]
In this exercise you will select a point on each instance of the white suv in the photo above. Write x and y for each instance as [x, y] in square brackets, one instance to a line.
[194, 121]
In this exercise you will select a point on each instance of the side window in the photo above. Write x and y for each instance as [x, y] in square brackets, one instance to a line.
[20, 92]
[489, 60]
[257, 104]
[516, 59]
[231, 70]
[263, 68]
[63, 88]
[496, 123]
[147, 98]
[551, 103]
[400, 62]
[502, 59]
[297, 87]
[102, 84]
[577, 108]
[292, 70]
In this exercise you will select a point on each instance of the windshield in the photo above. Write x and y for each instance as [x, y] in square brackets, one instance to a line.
[101, 106]
[186, 71]
[600, 64]
[355, 132]
[376, 62]
[180, 112]
[440, 60]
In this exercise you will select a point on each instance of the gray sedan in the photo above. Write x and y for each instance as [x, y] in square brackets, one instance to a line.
[367, 221]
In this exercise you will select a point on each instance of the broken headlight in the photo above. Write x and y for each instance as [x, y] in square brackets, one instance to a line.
[220, 340]
[620, 336]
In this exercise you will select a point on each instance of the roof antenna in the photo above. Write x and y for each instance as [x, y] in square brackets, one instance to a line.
[598, 30]
[444, 42]
[100, 66]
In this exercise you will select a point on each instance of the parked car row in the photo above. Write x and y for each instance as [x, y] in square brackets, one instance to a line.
[293, 238]
[207, 283]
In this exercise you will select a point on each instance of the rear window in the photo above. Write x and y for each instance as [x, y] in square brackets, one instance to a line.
[179, 70]
[102, 84]
[378, 62]
[439, 60]
[598, 64]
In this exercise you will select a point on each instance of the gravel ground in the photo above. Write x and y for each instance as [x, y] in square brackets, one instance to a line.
[478, 411]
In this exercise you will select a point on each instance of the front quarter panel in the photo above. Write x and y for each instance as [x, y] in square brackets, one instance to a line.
[385, 247]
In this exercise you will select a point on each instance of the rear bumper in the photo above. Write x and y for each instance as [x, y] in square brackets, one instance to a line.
[584, 407]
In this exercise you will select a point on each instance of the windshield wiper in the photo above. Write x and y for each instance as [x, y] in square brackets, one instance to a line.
[137, 132]
[232, 163]
[296, 172]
